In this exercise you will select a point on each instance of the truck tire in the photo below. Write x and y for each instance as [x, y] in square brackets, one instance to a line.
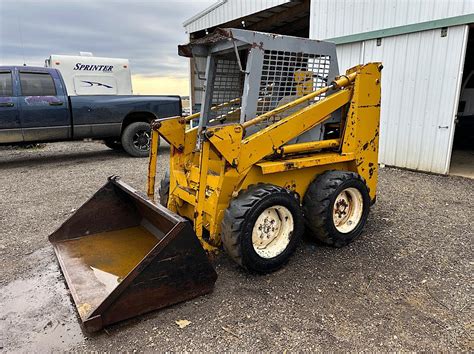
[336, 206]
[136, 139]
[164, 190]
[113, 144]
[262, 227]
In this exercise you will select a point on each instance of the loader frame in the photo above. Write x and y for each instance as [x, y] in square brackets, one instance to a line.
[210, 165]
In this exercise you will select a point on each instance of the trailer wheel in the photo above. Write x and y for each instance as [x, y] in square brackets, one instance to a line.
[136, 138]
[336, 206]
[262, 227]
[164, 190]
[114, 144]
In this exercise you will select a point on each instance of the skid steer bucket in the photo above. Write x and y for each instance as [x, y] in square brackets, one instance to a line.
[122, 255]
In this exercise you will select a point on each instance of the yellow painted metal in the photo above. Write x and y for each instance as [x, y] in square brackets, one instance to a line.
[298, 163]
[304, 82]
[155, 139]
[201, 191]
[172, 130]
[207, 173]
[296, 180]
[226, 139]
[266, 141]
[309, 146]
[361, 133]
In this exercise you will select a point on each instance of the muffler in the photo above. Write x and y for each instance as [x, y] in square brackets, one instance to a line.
[122, 256]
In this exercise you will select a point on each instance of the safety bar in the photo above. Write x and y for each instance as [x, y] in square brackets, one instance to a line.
[341, 81]
[213, 108]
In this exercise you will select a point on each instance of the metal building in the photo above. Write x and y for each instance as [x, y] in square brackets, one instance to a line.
[424, 45]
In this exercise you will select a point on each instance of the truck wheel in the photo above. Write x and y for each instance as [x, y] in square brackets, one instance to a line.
[136, 139]
[164, 190]
[262, 227]
[336, 206]
[113, 144]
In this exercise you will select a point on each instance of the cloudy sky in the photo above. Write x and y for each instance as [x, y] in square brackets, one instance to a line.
[146, 32]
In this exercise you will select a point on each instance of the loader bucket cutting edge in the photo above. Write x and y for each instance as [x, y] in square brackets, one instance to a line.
[122, 256]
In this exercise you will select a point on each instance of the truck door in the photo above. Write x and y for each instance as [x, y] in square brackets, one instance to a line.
[44, 110]
[10, 128]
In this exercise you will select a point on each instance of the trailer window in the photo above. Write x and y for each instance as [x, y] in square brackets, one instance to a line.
[37, 84]
[6, 88]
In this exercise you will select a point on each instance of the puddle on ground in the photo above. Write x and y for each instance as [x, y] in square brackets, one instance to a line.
[36, 313]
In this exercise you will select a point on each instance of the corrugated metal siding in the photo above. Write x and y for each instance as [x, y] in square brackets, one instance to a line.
[419, 94]
[230, 10]
[335, 18]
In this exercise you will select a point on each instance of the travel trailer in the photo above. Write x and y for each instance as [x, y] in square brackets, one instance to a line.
[86, 74]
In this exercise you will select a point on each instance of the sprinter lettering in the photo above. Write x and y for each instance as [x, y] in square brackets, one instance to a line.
[84, 67]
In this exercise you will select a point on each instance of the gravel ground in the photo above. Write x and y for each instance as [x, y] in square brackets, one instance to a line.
[406, 284]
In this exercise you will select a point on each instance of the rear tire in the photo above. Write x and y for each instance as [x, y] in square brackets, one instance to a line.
[164, 190]
[262, 227]
[336, 206]
[114, 144]
[136, 138]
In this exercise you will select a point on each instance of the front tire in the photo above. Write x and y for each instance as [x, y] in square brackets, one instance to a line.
[136, 138]
[336, 206]
[164, 190]
[262, 227]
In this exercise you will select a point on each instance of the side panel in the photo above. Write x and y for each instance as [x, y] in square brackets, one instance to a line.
[335, 18]
[89, 75]
[95, 85]
[102, 116]
[420, 94]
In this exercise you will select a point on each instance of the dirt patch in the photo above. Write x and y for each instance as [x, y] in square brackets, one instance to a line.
[404, 285]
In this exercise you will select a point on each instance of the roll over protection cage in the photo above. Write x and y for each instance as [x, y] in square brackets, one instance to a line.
[251, 73]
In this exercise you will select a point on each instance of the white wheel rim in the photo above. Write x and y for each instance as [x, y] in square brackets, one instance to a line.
[272, 231]
[347, 210]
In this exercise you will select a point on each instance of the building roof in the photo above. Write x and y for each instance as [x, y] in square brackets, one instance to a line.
[224, 11]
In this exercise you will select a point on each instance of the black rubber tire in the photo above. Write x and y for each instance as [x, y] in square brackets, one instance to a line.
[114, 144]
[318, 204]
[239, 220]
[164, 190]
[128, 136]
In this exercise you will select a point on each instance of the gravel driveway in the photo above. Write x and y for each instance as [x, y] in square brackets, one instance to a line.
[406, 284]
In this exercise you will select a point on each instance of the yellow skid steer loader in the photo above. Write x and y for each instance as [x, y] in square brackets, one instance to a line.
[282, 143]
